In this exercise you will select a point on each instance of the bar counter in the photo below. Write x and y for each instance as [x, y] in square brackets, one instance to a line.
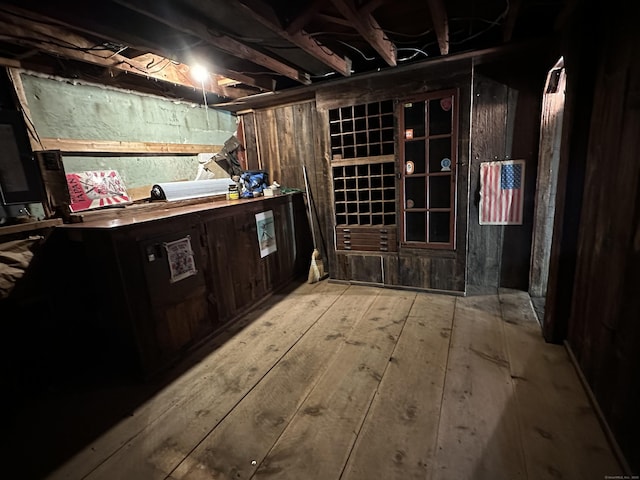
[137, 288]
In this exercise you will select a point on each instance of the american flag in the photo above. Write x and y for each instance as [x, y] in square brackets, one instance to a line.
[501, 192]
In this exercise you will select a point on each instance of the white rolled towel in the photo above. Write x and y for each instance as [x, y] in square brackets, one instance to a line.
[172, 191]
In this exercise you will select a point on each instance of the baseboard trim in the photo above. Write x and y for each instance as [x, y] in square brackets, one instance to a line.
[396, 287]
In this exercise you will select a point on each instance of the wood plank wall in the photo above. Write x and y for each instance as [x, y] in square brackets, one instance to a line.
[546, 184]
[248, 121]
[290, 136]
[516, 252]
[604, 332]
[580, 87]
[503, 120]
[283, 141]
[489, 120]
[504, 125]
[419, 268]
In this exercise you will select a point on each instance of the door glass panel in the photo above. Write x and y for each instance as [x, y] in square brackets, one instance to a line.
[440, 192]
[440, 116]
[439, 227]
[415, 226]
[414, 192]
[428, 136]
[414, 153]
[413, 120]
[440, 155]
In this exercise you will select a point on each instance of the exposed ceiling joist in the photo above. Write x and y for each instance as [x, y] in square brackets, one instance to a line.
[260, 83]
[266, 16]
[336, 20]
[256, 46]
[226, 82]
[367, 26]
[440, 22]
[7, 62]
[370, 6]
[301, 20]
[564, 15]
[58, 41]
[180, 70]
[510, 20]
[189, 24]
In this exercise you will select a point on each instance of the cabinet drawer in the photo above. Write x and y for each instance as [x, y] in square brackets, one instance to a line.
[372, 239]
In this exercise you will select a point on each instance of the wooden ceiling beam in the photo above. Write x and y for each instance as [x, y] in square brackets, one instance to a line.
[564, 15]
[335, 20]
[8, 62]
[367, 26]
[264, 14]
[225, 82]
[59, 42]
[301, 20]
[189, 24]
[440, 22]
[510, 20]
[263, 84]
[182, 70]
[371, 5]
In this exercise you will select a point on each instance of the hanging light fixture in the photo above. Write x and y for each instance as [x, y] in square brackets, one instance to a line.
[199, 73]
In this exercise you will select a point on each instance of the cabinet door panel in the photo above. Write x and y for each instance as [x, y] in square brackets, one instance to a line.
[165, 288]
[221, 239]
[181, 309]
[182, 324]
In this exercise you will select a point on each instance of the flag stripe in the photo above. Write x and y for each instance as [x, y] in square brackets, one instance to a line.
[501, 192]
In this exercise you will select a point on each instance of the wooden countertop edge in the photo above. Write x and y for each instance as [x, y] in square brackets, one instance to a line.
[30, 226]
[128, 216]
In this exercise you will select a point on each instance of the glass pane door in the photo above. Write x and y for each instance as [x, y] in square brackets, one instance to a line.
[428, 152]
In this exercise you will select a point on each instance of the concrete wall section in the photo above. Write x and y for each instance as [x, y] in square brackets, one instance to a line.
[142, 171]
[71, 110]
[65, 109]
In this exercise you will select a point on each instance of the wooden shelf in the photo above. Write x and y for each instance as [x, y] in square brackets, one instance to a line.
[365, 194]
[362, 130]
[364, 176]
[364, 160]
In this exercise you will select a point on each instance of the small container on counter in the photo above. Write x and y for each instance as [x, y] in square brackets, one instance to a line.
[233, 193]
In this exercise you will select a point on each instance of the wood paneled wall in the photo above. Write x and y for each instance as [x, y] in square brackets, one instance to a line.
[497, 118]
[603, 330]
[546, 184]
[291, 136]
[488, 142]
[409, 267]
[504, 125]
[285, 140]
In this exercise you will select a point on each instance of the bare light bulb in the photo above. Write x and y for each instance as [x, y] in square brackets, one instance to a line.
[199, 73]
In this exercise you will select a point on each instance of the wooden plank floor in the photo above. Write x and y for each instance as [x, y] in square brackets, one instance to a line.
[331, 381]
